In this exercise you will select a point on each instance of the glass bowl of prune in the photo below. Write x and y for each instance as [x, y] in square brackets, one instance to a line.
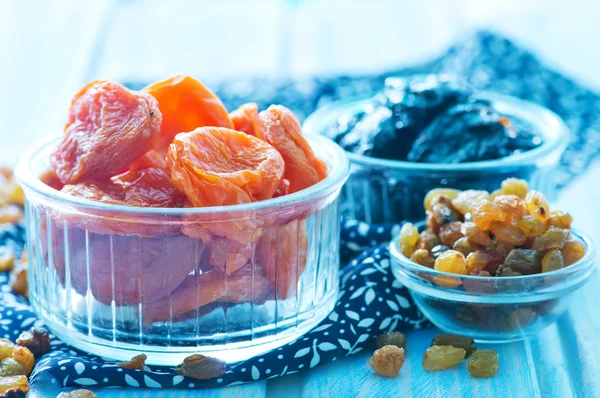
[427, 131]
[504, 268]
[160, 223]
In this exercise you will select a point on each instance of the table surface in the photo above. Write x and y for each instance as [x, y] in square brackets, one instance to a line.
[50, 48]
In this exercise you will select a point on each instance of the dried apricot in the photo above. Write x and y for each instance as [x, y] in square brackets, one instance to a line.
[50, 178]
[150, 187]
[284, 132]
[185, 104]
[217, 166]
[109, 127]
[246, 119]
[150, 159]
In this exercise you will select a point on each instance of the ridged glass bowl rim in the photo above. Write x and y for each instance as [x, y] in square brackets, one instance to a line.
[554, 132]
[585, 262]
[336, 177]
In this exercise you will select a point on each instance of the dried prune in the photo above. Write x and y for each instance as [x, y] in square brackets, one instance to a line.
[457, 341]
[524, 261]
[13, 382]
[109, 127]
[507, 233]
[560, 219]
[137, 362]
[185, 104]
[81, 393]
[466, 201]
[485, 213]
[36, 341]
[7, 258]
[201, 367]
[451, 232]
[552, 261]
[553, 238]
[282, 252]
[451, 261]
[483, 363]
[536, 204]
[572, 252]
[284, 132]
[14, 359]
[387, 361]
[409, 237]
[217, 166]
[475, 235]
[422, 256]
[397, 339]
[246, 119]
[442, 357]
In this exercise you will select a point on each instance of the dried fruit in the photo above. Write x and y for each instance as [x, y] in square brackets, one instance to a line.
[536, 204]
[515, 186]
[435, 193]
[451, 261]
[13, 393]
[466, 201]
[464, 246]
[572, 252]
[109, 127]
[504, 270]
[284, 132]
[14, 359]
[531, 226]
[13, 382]
[442, 357]
[387, 361]
[485, 213]
[438, 250]
[18, 279]
[217, 166]
[50, 178]
[36, 341]
[422, 256]
[185, 104]
[450, 282]
[483, 363]
[455, 340]
[507, 233]
[481, 273]
[10, 214]
[7, 258]
[483, 260]
[524, 261]
[522, 317]
[428, 240]
[150, 159]
[552, 261]
[560, 219]
[397, 339]
[553, 238]
[511, 205]
[201, 367]
[246, 119]
[149, 187]
[137, 362]
[409, 236]
[441, 214]
[81, 393]
[472, 232]
[450, 233]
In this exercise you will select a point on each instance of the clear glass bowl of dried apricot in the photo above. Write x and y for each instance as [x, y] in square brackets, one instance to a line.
[160, 222]
[498, 267]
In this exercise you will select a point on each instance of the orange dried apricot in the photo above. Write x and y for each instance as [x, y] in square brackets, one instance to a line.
[185, 104]
[150, 187]
[50, 178]
[150, 159]
[217, 166]
[109, 127]
[284, 132]
[246, 119]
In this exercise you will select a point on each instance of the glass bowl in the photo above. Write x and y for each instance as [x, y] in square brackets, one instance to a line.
[492, 309]
[229, 282]
[389, 191]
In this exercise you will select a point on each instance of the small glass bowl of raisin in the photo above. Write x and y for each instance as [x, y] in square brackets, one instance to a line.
[427, 131]
[502, 269]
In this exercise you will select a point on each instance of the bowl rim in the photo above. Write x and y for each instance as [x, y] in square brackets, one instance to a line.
[336, 177]
[584, 262]
[552, 144]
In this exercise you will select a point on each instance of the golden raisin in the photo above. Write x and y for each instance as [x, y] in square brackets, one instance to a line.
[466, 201]
[451, 261]
[482, 259]
[450, 233]
[422, 256]
[464, 246]
[560, 219]
[536, 204]
[81, 393]
[485, 213]
[428, 240]
[13, 382]
[442, 357]
[511, 205]
[409, 236]
[472, 232]
[553, 238]
[7, 259]
[387, 361]
[572, 252]
[507, 233]
[14, 359]
[137, 362]
[435, 193]
[515, 186]
[552, 261]
[531, 226]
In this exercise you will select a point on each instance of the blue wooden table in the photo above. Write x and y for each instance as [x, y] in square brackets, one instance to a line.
[49, 49]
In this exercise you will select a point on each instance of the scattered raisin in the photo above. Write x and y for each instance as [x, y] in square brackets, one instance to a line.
[14, 359]
[387, 361]
[37, 341]
[442, 357]
[81, 393]
[137, 362]
[483, 363]
[455, 340]
[200, 367]
[397, 339]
